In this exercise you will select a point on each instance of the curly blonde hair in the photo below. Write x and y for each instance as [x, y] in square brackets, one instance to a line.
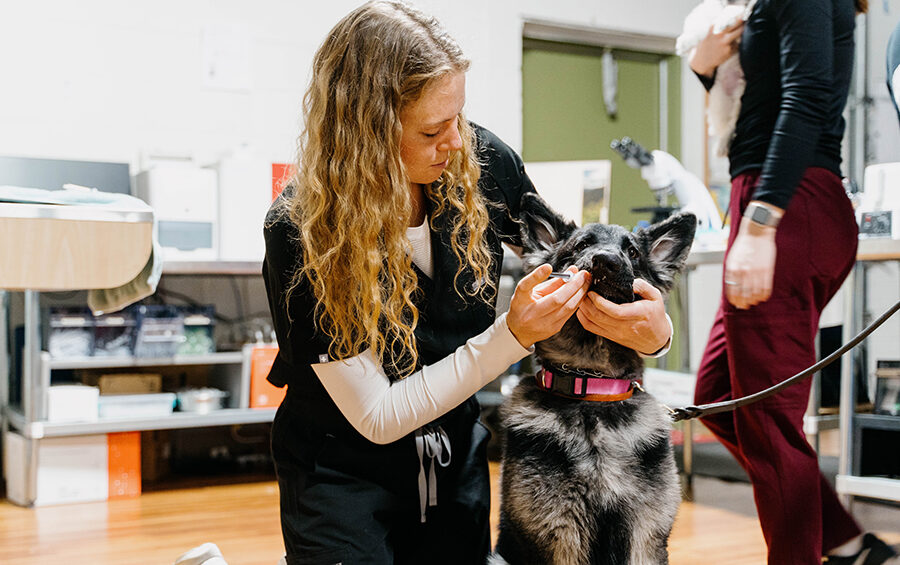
[352, 200]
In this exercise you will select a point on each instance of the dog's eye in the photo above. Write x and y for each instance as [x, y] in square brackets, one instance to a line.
[633, 252]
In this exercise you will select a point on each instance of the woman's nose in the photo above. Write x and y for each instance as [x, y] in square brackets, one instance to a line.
[453, 141]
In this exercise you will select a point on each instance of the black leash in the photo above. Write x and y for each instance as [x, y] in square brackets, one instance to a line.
[691, 412]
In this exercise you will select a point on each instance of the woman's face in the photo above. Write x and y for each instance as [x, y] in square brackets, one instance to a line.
[430, 130]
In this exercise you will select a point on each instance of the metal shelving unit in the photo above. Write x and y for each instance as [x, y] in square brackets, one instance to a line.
[212, 268]
[231, 372]
[106, 245]
[220, 358]
[228, 370]
[849, 483]
[177, 420]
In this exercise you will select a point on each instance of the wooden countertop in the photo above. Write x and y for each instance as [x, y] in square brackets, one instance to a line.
[59, 247]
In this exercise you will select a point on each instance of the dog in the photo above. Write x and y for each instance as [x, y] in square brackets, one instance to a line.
[584, 481]
[725, 94]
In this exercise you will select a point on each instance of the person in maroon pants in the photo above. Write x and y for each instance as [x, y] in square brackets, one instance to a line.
[792, 243]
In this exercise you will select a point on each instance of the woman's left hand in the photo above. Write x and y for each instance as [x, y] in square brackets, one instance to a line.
[750, 267]
[640, 325]
[715, 49]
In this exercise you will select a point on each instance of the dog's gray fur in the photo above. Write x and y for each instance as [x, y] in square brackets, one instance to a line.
[590, 482]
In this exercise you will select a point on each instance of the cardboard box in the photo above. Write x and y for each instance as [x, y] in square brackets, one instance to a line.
[130, 383]
[156, 451]
[85, 468]
[262, 393]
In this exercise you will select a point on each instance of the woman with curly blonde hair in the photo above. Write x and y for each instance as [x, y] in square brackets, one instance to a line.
[382, 263]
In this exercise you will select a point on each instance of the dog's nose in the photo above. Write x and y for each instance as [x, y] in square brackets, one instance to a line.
[608, 261]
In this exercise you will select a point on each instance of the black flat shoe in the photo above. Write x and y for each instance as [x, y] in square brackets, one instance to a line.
[873, 552]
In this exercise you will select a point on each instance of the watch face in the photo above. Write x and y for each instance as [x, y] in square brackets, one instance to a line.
[761, 215]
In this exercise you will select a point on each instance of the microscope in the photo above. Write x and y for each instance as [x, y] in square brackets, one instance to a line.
[666, 175]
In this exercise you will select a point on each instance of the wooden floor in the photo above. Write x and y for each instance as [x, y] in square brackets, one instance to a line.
[155, 528]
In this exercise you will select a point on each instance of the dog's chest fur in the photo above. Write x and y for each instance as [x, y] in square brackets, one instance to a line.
[586, 482]
[590, 482]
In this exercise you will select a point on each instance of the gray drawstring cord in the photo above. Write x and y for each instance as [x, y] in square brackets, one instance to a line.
[431, 443]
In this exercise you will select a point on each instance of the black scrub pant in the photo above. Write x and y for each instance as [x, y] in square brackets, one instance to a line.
[346, 500]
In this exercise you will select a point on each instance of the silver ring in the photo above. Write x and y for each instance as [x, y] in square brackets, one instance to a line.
[732, 283]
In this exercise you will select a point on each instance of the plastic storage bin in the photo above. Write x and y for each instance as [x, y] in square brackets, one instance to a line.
[199, 323]
[160, 331]
[70, 332]
[114, 334]
[136, 405]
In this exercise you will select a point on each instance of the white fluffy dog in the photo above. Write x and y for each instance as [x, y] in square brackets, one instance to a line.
[725, 95]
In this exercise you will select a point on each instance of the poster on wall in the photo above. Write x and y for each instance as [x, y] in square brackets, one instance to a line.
[579, 190]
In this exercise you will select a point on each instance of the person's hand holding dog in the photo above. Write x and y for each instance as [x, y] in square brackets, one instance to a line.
[539, 308]
[640, 325]
[715, 49]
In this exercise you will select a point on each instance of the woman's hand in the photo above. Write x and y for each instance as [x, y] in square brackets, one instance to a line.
[539, 308]
[715, 49]
[640, 325]
[750, 267]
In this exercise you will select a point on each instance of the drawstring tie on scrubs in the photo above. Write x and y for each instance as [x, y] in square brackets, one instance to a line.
[431, 443]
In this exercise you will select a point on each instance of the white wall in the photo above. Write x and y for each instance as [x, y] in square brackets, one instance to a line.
[111, 81]
[883, 138]
[107, 80]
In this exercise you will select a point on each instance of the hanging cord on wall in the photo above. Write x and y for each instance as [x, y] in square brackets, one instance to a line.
[691, 412]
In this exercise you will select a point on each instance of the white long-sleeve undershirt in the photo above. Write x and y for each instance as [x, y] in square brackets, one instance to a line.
[384, 412]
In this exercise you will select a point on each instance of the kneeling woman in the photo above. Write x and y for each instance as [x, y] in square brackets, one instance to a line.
[382, 265]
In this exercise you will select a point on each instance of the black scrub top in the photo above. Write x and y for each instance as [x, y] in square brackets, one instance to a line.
[448, 317]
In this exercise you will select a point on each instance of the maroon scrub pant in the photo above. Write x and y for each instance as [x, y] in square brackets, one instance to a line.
[750, 350]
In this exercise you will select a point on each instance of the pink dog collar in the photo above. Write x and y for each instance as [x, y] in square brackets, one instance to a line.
[583, 387]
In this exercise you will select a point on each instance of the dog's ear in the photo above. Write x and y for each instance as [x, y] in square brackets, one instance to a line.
[541, 226]
[667, 245]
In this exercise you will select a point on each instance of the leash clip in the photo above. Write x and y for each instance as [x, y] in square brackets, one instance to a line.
[672, 413]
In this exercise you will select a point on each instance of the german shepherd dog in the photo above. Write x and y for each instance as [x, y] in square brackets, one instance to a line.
[585, 481]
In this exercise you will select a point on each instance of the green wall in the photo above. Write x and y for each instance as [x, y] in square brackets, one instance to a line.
[564, 117]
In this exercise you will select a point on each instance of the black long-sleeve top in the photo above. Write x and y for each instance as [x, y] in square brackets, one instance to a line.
[797, 57]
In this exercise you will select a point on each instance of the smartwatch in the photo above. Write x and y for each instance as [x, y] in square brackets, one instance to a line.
[762, 215]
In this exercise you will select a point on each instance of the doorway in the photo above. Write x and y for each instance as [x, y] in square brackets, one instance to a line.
[565, 117]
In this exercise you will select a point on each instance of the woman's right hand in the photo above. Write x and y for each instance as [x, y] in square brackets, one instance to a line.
[715, 49]
[539, 308]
